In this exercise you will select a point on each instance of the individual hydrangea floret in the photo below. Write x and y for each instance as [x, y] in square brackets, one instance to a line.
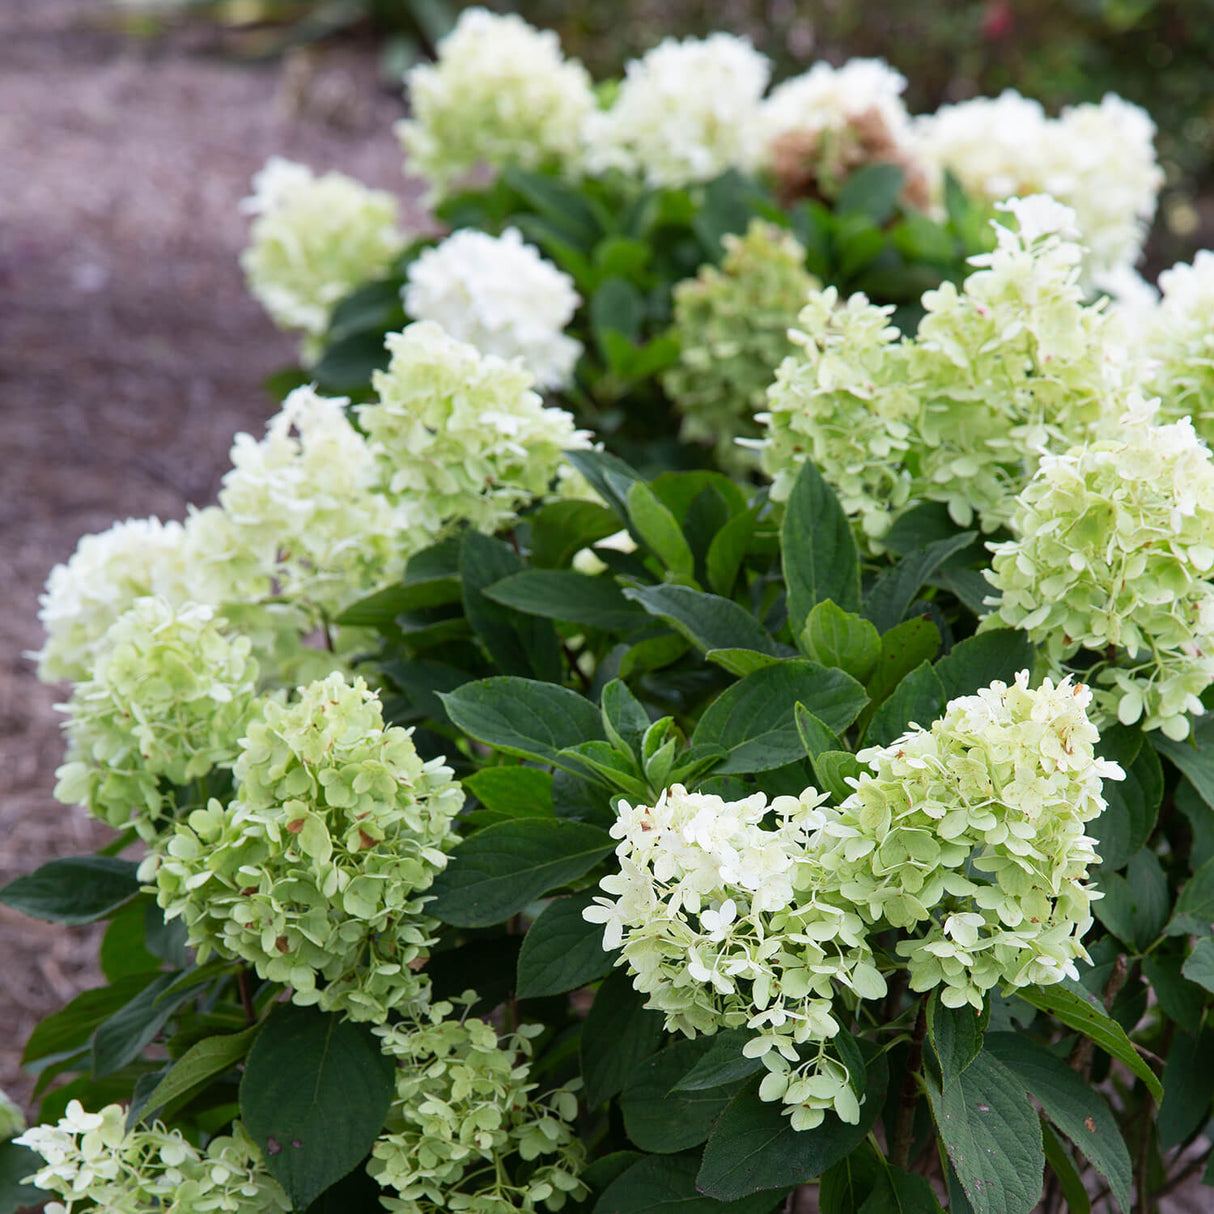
[464, 1115]
[170, 696]
[1097, 159]
[501, 93]
[969, 837]
[103, 577]
[499, 295]
[461, 435]
[819, 127]
[685, 112]
[1113, 554]
[732, 324]
[1010, 364]
[304, 504]
[726, 923]
[93, 1162]
[313, 240]
[316, 872]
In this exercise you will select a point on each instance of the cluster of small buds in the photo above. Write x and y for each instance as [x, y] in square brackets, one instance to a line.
[732, 324]
[498, 294]
[724, 923]
[1113, 553]
[464, 1132]
[501, 93]
[93, 1162]
[170, 696]
[685, 112]
[462, 435]
[969, 836]
[316, 872]
[1011, 364]
[304, 505]
[313, 240]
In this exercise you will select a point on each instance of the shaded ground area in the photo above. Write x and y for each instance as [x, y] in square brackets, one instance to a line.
[129, 352]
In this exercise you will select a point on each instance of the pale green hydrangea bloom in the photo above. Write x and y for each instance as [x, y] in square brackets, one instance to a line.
[313, 240]
[461, 435]
[1177, 340]
[499, 295]
[686, 111]
[1012, 363]
[732, 324]
[92, 1162]
[171, 695]
[724, 923]
[1113, 554]
[305, 505]
[463, 1107]
[500, 93]
[969, 837]
[316, 872]
[103, 577]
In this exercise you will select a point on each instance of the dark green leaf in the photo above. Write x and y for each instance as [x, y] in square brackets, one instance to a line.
[1132, 806]
[1194, 756]
[1199, 965]
[382, 608]
[70, 1027]
[727, 551]
[754, 1147]
[199, 1065]
[516, 792]
[980, 660]
[123, 947]
[345, 368]
[619, 1033]
[903, 648]
[1134, 907]
[896, 588]
[496, 872]
[1179, 998]
[1072, 1104]
[76, 890]
[1187, 1092]
[561, 951]
[1194, 913]
[523, 717]
[559, 594]
[616, 307]
[992, 1136]
[624, 717]
[834, 768]
[666, 1184]
[919, 699]
[373, 308]
[834, 637]
[742, 661]
[754, 719]
[956, 1036]
[659, 530]
[488, 965]
[815, 737]
[314, 1096]
[872, 191]
[125, 1034]
[1074, 1195]
[609, 476]
[16, 1163]
[820, 557]
[707, 620]
[560, 530]
[560, 203]
[723, 1062]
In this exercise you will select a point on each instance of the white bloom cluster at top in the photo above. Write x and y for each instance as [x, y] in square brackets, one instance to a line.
[500, 93]
[1097, 159]
[499, 295]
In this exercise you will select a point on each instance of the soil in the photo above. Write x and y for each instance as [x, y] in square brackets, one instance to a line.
[130, 352]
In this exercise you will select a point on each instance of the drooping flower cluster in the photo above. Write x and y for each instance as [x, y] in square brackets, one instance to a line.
[464, 1131]
[1011, 363]
[313, 240]
[304, 505]
[725, 923]
[969, 836]
[499, 295]
[500, 93]
[92, 1162]
[1097, 159]
[686, 111]
[1113, 553]
[461, 434]
[732, 324]
[170, 695]
[316, 872]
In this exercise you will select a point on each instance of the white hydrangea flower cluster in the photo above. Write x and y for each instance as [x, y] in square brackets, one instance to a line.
[1012, 363]
[725, 923]
[499, 295]
[686, 111]
[316, 872]
[305, 505]
[169, 698]
[1097, 159]
[970, 835]
[500, 93]
[93, 1162]
[463, 1108]
[460, 434]
[313, 240]
[1113, 554]
[1177, 342]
